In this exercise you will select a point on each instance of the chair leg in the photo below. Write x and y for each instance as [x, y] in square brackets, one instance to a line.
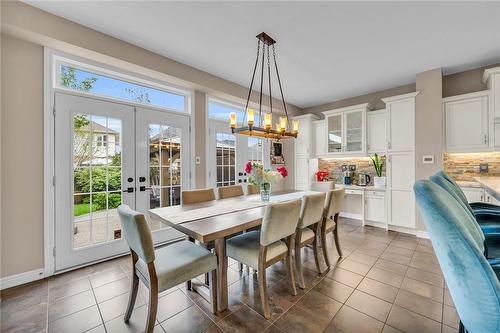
[263, 291]
[153, 307]
[213, 290]
[316, 255]
[323, 245]
[298, 265]
[132, 297]
[291, 273]
[336, 234]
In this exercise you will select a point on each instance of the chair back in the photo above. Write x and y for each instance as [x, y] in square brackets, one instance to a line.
[322, 186]
[456, 187]
[476, 231]
[137, 233]
[473, 285]
[195, 196]
[280, 221]
[333, 202]
[311, 210]
[252, 189]
[230, 191]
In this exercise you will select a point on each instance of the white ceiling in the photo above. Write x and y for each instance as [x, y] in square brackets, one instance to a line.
[326, 50]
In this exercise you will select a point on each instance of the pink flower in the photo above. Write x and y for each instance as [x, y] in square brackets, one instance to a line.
[283, 171]
[248, 167]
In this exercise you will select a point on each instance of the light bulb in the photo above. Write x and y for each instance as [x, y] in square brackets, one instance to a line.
[295, 126]
[232, 119]
[267, 121]
[283, 123]
[250, 117]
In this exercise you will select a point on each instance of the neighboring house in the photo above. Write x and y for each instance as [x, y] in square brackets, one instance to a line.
[105, 144]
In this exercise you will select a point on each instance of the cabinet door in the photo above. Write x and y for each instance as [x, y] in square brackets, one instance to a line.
[375, 208]
[401, 125]
[303, 140]
[402, 208]
[319, 138]
[473, 194]
[335, 134]
[401, 171]
[466, 124]
[496, 96]
[375, 132]
[491, 199]
[301, 173]
[354, 136]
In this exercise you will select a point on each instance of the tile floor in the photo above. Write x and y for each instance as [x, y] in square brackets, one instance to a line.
[385, 282]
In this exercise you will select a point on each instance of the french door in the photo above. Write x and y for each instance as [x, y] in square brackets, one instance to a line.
[228, 154]
[108, 154]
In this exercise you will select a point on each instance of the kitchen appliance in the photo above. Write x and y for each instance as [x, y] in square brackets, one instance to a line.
[346, 175]
[363, 179]
[321, 175]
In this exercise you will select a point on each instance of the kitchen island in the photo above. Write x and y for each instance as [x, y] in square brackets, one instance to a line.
[491, 185]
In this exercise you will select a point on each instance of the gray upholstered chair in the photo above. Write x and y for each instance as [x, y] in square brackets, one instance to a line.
[322, 186]
[261, 249]
[195, 196]
[163, 268]
[230, 191]
[311, 215]
[252, 189]
[333, 203]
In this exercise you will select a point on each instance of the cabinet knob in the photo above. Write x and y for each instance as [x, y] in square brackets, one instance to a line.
[486, 139]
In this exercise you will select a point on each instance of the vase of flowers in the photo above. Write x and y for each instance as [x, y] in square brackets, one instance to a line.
[264, 178]
[378, 164]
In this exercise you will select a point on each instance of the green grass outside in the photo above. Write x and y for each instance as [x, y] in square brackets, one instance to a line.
[82, 209]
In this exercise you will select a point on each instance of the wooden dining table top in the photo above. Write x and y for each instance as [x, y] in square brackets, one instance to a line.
[207, 229]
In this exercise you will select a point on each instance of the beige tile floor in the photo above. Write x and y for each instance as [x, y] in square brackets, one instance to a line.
[385, 282]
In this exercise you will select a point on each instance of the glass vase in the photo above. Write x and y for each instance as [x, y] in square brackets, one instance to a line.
[265, 192]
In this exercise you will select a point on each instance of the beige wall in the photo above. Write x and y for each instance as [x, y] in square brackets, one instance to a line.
[372, 98]
[200, 133]
[428, 126]
[22, 156]
[465, 82]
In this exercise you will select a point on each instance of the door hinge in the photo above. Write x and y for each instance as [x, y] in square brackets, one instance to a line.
[54, 181]
[190, 175]
[54, 110]
[54, 251]
[189, 128]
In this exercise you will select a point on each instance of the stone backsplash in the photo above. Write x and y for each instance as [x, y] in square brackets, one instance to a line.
[463, 167]
[333, 165]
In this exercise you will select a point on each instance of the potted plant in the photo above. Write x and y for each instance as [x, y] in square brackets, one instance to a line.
[264, 178]
[378, 163]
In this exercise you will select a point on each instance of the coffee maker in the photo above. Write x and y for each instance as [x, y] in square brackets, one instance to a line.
[347, 173]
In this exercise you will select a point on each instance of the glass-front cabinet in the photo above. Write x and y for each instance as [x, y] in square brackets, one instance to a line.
[346, 130]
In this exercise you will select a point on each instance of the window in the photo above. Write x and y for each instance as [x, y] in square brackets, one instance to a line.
[226, 160]
[102, 140]
[255, 149]
[74, 78]
[221, 111]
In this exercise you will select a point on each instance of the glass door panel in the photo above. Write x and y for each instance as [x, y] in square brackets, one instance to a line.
[335, 133]
[354, 131]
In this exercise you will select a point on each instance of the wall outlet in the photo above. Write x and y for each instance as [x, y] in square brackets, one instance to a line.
[483, 168]
[197, 160]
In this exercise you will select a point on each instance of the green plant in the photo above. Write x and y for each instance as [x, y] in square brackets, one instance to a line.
[378, 163]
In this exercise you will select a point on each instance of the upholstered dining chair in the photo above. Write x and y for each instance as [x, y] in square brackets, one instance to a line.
[229, 191]
[252, 189]
[261, 249]
[331, 211]
[308, 228]
[196, 196]
[473, 284]
[322, 186]
[163, 268]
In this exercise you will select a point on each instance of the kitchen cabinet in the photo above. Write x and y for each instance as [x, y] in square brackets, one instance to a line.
[345, 130]
[491, 77]
[304, 140]
[400, 122]
[466, 120]
[375, 206]
[319, 142]
[304, 167]
[488, 198]
[375, 131]
[474, 194]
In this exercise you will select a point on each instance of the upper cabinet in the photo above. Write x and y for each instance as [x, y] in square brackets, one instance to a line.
[467, 125]
[492, 78]
[400, 122]
[345, 130]
[319, 130]
[304, 141]
[375, 131]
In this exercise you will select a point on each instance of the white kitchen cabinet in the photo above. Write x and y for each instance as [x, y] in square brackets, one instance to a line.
[345, 130]
[303, 152]
[490, 199]
[400, 179]
[402, 209]
[319, 142]
[491, 77]
[400, 122]
[375, 206]
[466, 119]
[400, 168]
[473, 194]
[301, 177]
[375, 131]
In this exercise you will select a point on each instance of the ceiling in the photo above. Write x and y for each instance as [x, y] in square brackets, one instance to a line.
[326, 50]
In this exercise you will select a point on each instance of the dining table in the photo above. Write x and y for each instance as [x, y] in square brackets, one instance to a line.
[216, 221]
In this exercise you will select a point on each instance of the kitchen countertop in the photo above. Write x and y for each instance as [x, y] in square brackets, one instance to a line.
[465, 183]
[357, 187]
[490, 184]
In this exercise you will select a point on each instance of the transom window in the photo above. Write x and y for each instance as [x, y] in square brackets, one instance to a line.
[74, 78]
[221, 111]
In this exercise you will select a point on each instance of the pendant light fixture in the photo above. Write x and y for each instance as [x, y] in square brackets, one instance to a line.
[264, 128]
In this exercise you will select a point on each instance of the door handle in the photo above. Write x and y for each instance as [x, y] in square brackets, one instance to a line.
[142, 179]
[129, 190]
[144, 188]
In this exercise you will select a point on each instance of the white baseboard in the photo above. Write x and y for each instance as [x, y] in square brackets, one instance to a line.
[22, 278]
[422, 234]
[351, 216]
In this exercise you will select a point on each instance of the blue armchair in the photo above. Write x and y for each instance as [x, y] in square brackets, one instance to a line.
[473, 284]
